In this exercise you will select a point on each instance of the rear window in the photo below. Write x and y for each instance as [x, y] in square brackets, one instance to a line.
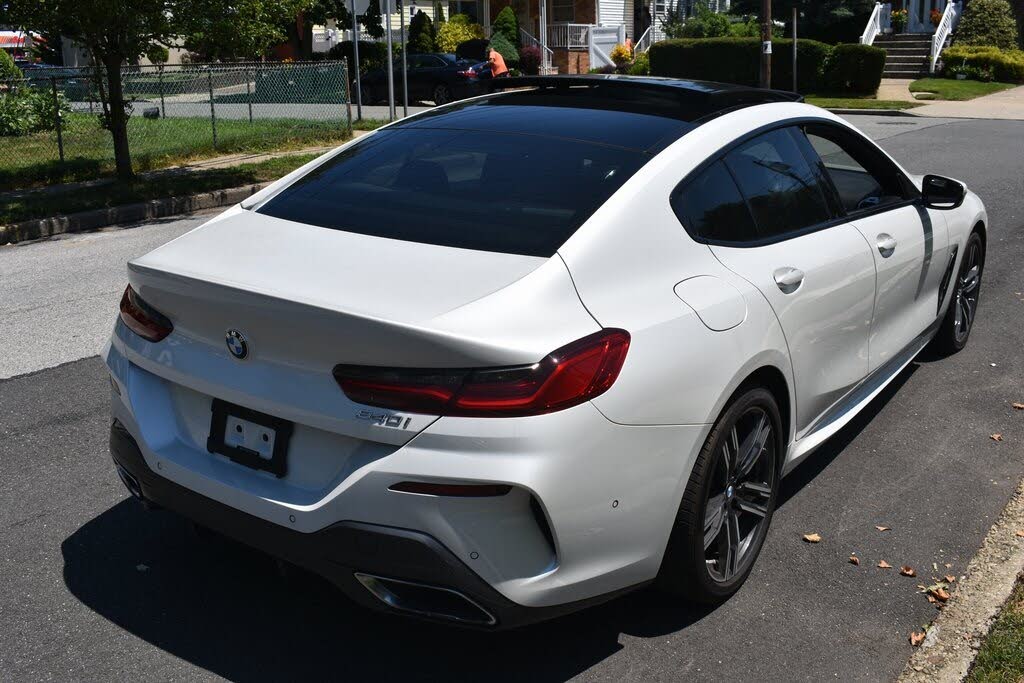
[504, 192]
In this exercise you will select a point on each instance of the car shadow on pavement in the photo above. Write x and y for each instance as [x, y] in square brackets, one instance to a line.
[228, 609]
[820, 459]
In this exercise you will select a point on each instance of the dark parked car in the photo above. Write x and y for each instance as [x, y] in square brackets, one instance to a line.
[438, 77]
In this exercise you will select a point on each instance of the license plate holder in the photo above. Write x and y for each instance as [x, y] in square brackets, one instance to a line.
[249, 437]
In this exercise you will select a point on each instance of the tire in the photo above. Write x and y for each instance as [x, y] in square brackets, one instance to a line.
[700, 571]
[963, 306]
[442, 94]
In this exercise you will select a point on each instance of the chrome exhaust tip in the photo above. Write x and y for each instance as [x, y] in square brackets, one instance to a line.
[423, 600]
[130, 483]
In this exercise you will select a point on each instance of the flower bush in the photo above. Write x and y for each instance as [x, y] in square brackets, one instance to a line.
[621, 55]
[458, 29]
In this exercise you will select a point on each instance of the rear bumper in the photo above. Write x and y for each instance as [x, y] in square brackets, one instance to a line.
[343, 550]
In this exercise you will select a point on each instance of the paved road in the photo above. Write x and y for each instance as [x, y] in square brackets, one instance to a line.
[94, 588]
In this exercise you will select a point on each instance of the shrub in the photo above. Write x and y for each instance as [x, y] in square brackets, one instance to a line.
[856, 68]
[157, 54]
[458, 29]
[29, 110]
[8, 69]
[988, 22]
[421, 33]
[705, 24]
[529, 60]
[15, 114]
[621, 55]
[372, 55]
[737, 60]
[506, 49]
[745, 29]
[1003, 65]
[507, 25]
[473, 49]
[641, 65]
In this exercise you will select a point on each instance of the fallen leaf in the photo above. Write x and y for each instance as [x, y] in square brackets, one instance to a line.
[950, 578]
[996, 437]
[881, 528]
[931, 599]
[854, 560]
[907, 571]
[812, 538]
[916, 638]
[1020, 533]
[1018, 406]
[882, 564]
[948, 565]
[940, 593]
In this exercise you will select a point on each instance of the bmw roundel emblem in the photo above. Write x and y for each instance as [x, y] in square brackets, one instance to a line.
[236, 344]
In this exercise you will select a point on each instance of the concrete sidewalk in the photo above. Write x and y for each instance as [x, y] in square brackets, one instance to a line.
[1007, 105]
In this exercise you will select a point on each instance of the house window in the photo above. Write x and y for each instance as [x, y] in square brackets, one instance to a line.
[563, 11]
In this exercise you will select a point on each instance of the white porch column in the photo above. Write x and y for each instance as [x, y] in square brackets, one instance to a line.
[545, 59]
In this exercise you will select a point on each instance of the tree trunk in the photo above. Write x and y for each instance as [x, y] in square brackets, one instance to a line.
[117, 118]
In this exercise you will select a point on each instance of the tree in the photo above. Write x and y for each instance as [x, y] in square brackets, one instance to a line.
[47, 48]
[421, 33]
[226, 30]
[371, 20]
[506, 24]
[988, 22]
[114, 32]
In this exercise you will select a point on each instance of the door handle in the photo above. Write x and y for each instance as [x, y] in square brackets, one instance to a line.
[789, 279]
[886, 244]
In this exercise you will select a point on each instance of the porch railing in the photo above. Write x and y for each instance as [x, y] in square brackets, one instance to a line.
[570, 36]
[950, 17]
[527, 38]
[643, 44]
[874, 26]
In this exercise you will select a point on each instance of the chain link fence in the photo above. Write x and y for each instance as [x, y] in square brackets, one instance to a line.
[51, 121]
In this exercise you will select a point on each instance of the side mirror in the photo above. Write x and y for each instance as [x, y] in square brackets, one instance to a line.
[942, 193]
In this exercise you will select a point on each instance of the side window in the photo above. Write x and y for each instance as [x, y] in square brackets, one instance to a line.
[863, 178]
[783, 190]
[711, 206]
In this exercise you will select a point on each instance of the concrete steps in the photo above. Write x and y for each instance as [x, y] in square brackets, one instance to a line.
[906, 54]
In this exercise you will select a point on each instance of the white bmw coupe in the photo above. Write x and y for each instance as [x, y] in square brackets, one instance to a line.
[516, 355]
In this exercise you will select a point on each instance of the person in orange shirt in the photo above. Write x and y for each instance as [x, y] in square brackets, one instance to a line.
[497, 62]
[629, 45]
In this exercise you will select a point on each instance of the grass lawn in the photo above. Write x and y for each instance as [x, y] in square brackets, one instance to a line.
[829, 102]
[161, 184]
[1001, 658]
[32, 160]
[952, 89]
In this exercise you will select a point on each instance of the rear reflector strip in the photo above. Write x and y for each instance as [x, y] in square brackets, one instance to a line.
[451, 490]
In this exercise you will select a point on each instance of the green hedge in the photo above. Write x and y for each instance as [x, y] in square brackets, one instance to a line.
[1004, 65]
[856, 68]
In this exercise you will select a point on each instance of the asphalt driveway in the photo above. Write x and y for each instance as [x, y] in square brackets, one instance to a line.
[95, 588]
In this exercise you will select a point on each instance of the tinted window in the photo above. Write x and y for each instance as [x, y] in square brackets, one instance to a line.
[712, 207]
[861, 177]
[783, 190]
[522, 194]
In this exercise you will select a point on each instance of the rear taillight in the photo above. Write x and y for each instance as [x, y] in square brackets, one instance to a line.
[143, 319]
[569, 376]
[468, 73]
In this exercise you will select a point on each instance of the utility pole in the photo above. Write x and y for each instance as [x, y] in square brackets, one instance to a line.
[766, 43]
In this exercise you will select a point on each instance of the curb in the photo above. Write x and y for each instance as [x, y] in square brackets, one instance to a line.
[872, 112]
[956, 635]
[127, 213]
